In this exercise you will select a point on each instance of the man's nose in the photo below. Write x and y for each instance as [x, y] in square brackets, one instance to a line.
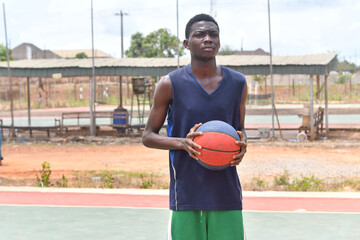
[207, 38]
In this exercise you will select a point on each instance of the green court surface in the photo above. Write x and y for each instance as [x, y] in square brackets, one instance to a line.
[102, 223]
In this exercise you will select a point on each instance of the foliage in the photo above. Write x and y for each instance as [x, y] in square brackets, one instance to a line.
[343, 78]
[81, 55]
[3, 53]
[158, 44]
[258, 182]
[63, 182]
[259, 78]
[283, 180]
[303, 184]
[226, 50]
[346, 66]
[306, 184]
[147, 182]
[44, 179]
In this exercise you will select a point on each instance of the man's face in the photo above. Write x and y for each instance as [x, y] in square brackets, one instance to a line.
[204, 40]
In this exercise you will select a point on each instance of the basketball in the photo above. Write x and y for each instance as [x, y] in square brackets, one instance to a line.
[218, 144]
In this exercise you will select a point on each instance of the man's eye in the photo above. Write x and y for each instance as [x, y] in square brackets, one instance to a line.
[199, 34]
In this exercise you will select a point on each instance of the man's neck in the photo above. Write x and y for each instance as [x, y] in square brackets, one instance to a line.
[204, 69]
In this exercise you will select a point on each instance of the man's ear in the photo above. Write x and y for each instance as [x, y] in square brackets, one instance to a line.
[186, 44]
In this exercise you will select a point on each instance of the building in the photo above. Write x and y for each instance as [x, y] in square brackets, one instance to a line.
[258, 51]
[30, 51]
[88, 52]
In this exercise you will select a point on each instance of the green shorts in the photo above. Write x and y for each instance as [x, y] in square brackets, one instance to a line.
[206, 225]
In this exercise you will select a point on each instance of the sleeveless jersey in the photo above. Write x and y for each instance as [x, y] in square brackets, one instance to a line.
[193, 187]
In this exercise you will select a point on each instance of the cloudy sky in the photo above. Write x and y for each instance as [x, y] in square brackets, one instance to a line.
[298, 26]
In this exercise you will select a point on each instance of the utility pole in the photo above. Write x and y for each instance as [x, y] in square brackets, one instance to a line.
[92, 80]
[355, 70]
[271, 77]
[121, 14]
[12, 130]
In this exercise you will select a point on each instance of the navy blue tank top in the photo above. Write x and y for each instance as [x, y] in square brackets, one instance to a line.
[193, 187]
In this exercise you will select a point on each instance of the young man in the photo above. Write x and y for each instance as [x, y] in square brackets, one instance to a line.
[204, 204]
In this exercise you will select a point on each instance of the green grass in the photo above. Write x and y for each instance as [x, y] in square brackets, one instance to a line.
[116, 179]
[285, 182]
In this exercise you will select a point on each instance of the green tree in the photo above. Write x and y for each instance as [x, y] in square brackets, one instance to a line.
[81, 55]
[3, 53]
[158, 44]
[226, 50]
[346, 66]
[260, 79]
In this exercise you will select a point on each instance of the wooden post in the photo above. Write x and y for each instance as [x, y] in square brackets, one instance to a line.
[312, 129]
[317, 87]
[326, 104]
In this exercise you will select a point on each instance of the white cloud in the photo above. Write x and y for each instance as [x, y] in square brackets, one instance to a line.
[298, 26]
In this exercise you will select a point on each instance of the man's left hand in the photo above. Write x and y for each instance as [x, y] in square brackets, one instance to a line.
[243, 145]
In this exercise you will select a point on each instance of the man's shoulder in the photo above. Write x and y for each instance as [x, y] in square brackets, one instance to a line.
[179, 73]
[233, 73]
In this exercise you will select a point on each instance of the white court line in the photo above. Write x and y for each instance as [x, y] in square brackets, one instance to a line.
[165, 192]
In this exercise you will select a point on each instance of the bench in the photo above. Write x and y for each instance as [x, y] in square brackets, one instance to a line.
[112, 117]
[33, 128]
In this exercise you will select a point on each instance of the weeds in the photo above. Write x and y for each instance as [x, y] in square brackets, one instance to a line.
[147, 182]
[113, 179]
[283, 180]
[44, 179]
[303, 184]
[63, 182]
[307, 184]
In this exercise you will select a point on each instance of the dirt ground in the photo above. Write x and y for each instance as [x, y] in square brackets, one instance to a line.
[334, 158]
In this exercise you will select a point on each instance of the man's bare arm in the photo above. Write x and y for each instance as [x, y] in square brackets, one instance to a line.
[152, 138]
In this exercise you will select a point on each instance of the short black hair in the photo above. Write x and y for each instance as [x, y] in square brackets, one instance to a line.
[198, 18]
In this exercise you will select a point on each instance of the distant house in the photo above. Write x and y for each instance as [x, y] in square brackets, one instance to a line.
[30, 51]
[88, 52]
[258, 51]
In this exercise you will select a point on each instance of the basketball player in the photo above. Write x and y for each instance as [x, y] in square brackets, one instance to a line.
[204, 204]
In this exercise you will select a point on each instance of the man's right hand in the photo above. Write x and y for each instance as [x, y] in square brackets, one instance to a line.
[189, 145]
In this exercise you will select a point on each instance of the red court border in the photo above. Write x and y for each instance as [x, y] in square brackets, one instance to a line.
[254, 203]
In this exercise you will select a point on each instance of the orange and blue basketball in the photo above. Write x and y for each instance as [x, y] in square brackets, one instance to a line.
[218, 144]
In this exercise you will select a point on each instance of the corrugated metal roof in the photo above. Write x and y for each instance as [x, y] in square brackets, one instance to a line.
[306, 64]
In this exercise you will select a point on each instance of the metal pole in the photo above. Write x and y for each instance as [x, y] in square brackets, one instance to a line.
[122, 34]
[271, 77]
[121, 100]
[355, 91]
[177, 29]
[92, 79]
[12, 131]
[28, 100]
[121, 14]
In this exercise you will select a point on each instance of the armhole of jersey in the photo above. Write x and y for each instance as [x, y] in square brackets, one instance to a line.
[171, 106]
[170, 110]
[242, 90]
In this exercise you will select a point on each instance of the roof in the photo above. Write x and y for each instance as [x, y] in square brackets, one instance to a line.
[318, 64]
[88, 52]
[258, 51]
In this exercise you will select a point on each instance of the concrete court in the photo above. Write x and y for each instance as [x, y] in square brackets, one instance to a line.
[34, 213]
